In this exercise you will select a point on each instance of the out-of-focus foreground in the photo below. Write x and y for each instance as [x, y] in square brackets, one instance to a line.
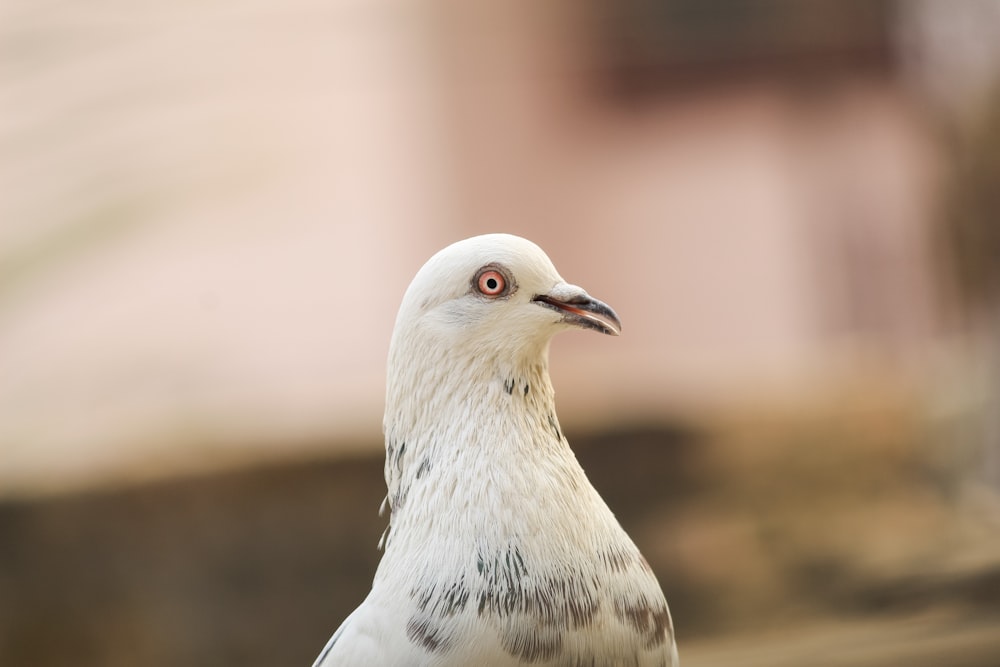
[208, 215]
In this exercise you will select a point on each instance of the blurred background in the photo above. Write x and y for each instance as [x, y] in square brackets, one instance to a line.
[209, 212]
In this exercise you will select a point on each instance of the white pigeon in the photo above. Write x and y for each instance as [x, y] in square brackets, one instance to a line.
[499, 551]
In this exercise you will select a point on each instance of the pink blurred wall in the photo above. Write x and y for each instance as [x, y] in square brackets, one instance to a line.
[210, 212]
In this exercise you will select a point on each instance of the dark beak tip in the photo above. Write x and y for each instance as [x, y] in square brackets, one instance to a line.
[586, 312]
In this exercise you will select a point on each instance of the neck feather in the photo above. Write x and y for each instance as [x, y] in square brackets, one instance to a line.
[460, 427]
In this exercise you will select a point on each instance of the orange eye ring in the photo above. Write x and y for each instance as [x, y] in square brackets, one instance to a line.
[491, 283]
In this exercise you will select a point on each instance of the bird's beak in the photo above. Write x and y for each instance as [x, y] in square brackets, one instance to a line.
[579, 308]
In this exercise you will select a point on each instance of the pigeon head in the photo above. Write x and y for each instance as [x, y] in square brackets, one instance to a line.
[496, 292]
[499, 551]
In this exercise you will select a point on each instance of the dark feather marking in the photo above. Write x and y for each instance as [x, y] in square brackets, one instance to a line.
[398, 498]
[508, 386]
[531, 610]
[454, 599]
[425, 466]
[450, 601]
[399, 457]
[519, 559]
[555, 426]
[422, 597]
[430, 637]
[561, 602]
[650, 620]
[526, 388]
[617, 559]
[532, 644]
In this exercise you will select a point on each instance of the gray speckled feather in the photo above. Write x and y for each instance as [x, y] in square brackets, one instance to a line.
[499, 550]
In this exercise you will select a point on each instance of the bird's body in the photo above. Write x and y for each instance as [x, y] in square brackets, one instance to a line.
[500, 552]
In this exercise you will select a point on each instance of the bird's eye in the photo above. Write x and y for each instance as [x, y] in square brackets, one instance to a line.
[491, 282]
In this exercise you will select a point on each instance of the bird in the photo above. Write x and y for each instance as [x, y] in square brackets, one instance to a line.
[498, 550]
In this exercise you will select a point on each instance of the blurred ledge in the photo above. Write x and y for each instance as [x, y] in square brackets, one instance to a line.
[921, 640]
[159, 462]
[621, 388]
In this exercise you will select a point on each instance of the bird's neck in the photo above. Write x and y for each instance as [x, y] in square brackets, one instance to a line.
[464, 431]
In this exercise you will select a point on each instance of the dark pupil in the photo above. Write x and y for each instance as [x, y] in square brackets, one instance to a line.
[491, 283]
